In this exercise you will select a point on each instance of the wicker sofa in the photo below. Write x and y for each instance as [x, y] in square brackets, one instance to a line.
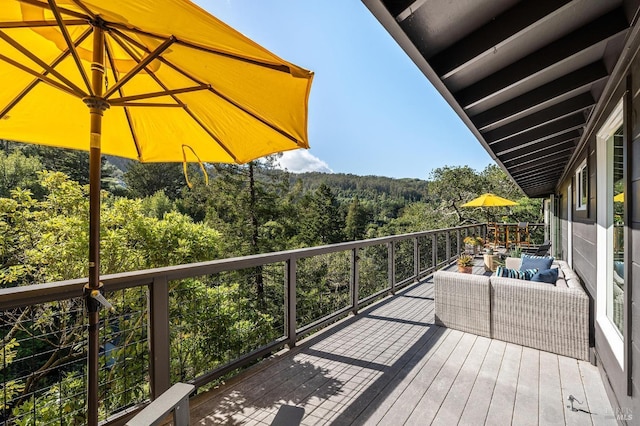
[539, 315]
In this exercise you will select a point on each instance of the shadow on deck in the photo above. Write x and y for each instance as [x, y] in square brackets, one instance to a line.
[391, 365]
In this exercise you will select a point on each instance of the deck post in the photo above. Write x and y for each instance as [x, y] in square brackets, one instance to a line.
[434, 251]
[392, 267]
[458, 242]
[355, 281]
[448, 246]
[159, 340]
[290, 301]
[416, 259]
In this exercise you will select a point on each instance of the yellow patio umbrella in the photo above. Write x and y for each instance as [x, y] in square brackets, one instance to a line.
[489, 200]
[151, 80]
[619, 198]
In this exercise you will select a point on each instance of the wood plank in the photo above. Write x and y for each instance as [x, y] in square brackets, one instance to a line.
[571, 384]
[475, 411]
[442, 365]
[381, 392]
[525, 410]
[599, 406]
[501, 407]
[451, 408]
[432, 398]
[392, 392]
[550, 407]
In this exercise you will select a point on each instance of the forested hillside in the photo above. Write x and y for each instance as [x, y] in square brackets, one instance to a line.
[258, 208]
[347, 186]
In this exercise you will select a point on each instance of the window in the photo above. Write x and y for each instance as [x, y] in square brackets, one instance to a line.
[582, 185]
[610, 301]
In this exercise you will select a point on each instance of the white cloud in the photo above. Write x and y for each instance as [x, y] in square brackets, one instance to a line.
[301, 160]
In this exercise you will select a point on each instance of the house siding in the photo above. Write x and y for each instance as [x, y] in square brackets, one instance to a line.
[584, 240]
[624, 396]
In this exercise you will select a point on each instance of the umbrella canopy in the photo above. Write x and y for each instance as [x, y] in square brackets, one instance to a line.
[151, 80]
[619, 198]
[178, 83]
[489, 200]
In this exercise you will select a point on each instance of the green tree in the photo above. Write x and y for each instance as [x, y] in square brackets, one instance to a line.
[449, 188]
[322, 222]
[145, 179]
[358, 217]
[18, 170]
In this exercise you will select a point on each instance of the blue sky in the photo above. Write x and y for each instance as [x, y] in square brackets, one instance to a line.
[371, 110]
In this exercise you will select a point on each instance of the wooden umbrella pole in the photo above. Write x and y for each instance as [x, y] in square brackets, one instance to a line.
[96, 105]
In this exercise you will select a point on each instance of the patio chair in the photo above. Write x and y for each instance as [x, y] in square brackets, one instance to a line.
[541, 250]
[522, 234]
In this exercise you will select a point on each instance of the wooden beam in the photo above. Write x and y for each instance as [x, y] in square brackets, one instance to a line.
[554, 149]
[539, 134]
[540, 162]
[486, 38]
[558, 52]
[579, 79]
[557, 141]
[540, 118]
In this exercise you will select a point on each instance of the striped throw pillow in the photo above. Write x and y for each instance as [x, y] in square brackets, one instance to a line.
[526, 274]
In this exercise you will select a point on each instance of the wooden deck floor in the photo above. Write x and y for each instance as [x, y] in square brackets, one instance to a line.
[390, 365]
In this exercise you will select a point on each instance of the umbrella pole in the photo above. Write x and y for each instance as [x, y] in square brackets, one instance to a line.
[96, 105]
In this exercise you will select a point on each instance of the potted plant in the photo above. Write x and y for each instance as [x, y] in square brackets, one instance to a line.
[465, 263]
[474, 242]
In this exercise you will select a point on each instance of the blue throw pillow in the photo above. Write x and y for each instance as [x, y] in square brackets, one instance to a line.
[546, 276]
[536, 262]
[527, 274]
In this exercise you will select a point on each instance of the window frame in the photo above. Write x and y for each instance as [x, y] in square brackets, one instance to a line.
[582, 186]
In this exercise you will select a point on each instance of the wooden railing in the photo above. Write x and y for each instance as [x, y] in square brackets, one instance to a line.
[149, 334]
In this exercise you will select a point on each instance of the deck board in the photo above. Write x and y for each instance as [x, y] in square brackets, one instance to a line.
[391, 365]
[450, 411]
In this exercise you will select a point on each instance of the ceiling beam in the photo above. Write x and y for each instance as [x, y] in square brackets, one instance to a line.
[541, 183]
[540, 162]
[555, 149]
[582, 78]
[542, 171]
[546, 183]
[540, 118]
[499, 30]
[558, 52]
[539, 134]
[547, 143]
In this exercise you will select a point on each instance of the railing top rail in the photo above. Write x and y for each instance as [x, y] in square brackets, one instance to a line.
[15, 297]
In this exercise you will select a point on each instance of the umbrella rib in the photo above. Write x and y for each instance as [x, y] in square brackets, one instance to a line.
[276, 67]
[41, 77]
[75, 89]
[141, 65]
[38, 24]
[116, 27]
[195, 80]
[127, 113]
[126, 99]
[85, 8]
[229, 100]
[70, 45]
[33, 84]
[44, 5]
[147, 104]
